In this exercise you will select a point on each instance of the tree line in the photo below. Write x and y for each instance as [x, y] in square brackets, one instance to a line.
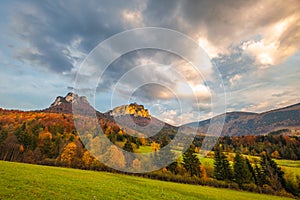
[277, 144]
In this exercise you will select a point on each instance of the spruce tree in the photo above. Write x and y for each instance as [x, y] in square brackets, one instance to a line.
[260, 177]
[222, 169]
[228, 175]
[252, 171]
[218, 170]
[190, 162]
[273, 174]
[242, 173]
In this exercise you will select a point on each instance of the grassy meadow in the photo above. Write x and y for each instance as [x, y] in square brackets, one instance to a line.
[25, 181]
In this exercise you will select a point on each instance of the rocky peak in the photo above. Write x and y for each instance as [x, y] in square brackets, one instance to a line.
[70, 98]
[132, 109]
[58, 101]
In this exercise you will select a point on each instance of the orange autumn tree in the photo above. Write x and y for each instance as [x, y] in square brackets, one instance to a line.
[114, 157]
[69, 153]
[155, 146]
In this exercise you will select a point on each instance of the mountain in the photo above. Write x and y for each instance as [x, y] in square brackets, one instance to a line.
[64, 104]
[131, 109]
[136, 118]
[245, 123]
[132, 118]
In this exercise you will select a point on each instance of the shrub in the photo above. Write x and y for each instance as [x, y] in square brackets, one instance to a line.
[267, 189]
[251, 187]
[48, 162]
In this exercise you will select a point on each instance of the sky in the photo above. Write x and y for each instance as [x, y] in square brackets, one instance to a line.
[252, 46]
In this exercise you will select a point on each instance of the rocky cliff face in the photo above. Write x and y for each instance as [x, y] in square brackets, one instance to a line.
[69, 98]
[132, 109]
[64, 104]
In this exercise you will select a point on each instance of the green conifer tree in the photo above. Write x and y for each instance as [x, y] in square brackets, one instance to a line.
[190, 162]
[222, 169]
[273, 173]
[242, 174]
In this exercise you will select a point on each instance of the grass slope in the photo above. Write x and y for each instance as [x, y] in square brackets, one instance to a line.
[24, 181]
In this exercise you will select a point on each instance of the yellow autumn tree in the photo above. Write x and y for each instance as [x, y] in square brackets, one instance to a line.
[203, 173]
[155, 146]
[44, 135]
[275, 154]
[143, 141]
[87, 159]
[121, 132]
[69, 152]
[114, 157]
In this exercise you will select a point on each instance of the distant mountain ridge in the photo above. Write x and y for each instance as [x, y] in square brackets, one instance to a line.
[245, 123]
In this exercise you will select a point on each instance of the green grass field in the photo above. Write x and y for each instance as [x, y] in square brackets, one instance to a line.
[288, 166]
[24, 181]
[289, 163]
[143, 149]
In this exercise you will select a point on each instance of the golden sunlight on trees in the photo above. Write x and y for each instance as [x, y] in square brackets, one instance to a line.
[143, 141]
[275, 154]
[114, 157]
[155, 146]
[68, 153]
[203, 173]
[87, 158]
[44, 135]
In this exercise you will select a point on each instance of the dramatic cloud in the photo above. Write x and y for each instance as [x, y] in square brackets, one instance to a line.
[58, 34]
[278, 42]
[253, 44]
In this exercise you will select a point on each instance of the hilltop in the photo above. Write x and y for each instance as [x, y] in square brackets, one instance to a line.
[245, 123]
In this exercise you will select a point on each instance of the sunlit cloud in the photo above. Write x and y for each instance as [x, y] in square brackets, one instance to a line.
[134, 18]
[235, 79]
[272, 49]
[211, 50]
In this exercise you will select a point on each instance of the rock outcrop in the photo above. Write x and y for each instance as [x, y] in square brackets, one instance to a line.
[132, 109]
[71, 98]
